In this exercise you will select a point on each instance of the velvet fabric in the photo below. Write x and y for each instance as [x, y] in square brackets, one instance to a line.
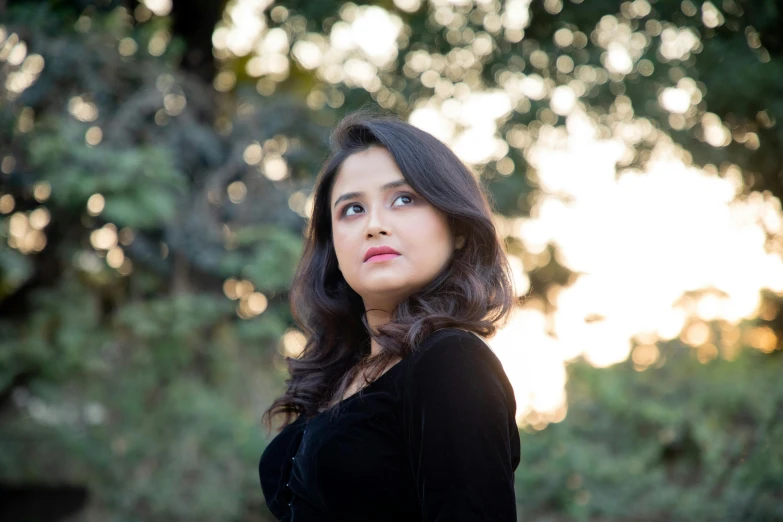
[432, 439]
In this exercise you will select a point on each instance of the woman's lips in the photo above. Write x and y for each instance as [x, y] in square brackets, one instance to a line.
[381, 257]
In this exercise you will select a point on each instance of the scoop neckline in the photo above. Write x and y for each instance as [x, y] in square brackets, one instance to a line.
[378, 379]
[342, 402]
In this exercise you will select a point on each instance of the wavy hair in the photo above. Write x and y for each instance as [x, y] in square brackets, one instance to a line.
[474, 291]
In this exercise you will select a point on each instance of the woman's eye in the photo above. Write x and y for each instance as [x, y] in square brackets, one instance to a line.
[403, 196]
[347, 207]
[352, 205]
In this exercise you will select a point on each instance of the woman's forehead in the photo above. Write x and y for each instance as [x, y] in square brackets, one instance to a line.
[370, 170]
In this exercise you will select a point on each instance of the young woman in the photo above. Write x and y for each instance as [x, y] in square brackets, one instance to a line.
[403, 413]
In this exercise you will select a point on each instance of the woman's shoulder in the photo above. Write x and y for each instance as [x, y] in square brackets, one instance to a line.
[451, 345]
[451, 338]
[455, 367]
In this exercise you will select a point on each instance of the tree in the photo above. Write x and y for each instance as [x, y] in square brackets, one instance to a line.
[152, 199]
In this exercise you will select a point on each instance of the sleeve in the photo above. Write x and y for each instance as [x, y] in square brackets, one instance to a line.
[461, 434]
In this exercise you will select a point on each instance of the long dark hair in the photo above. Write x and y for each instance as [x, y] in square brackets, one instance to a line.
[474, 291]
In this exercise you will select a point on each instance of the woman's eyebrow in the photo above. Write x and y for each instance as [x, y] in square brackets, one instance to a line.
[387, 186]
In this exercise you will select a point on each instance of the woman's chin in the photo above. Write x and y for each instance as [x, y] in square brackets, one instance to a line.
[390, 291]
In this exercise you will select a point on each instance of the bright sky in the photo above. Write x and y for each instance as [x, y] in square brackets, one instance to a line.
[640, 240]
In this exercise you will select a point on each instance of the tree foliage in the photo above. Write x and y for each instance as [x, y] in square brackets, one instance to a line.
[150, 224]
[681, 442]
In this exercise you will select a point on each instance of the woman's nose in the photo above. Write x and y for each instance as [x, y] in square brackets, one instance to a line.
[376, 221]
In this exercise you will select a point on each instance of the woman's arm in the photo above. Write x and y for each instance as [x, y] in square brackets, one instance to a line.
[463, 442]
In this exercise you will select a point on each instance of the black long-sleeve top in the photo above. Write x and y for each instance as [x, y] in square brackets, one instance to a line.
[434, 438]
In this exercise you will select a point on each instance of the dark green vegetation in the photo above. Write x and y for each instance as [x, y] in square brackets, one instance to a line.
[684, 442]
[129, 387]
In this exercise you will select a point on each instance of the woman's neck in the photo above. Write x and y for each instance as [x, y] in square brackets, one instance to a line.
[376, 318]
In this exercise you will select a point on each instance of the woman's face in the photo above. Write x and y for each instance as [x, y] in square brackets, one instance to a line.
[373, 206]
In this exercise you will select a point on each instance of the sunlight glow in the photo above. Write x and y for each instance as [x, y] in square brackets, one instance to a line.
[375, 31]
[534, 364]
[159, 7]
[477, 114]
[639, 241]
[678, 43]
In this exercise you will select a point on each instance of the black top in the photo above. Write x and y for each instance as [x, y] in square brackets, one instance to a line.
[432, 439]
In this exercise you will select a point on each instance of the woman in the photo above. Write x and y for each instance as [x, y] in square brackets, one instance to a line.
[403, 411]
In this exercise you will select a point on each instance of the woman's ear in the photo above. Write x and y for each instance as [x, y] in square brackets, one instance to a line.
[459, 239]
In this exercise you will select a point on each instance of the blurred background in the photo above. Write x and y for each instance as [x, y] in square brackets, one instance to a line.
[156, 165]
